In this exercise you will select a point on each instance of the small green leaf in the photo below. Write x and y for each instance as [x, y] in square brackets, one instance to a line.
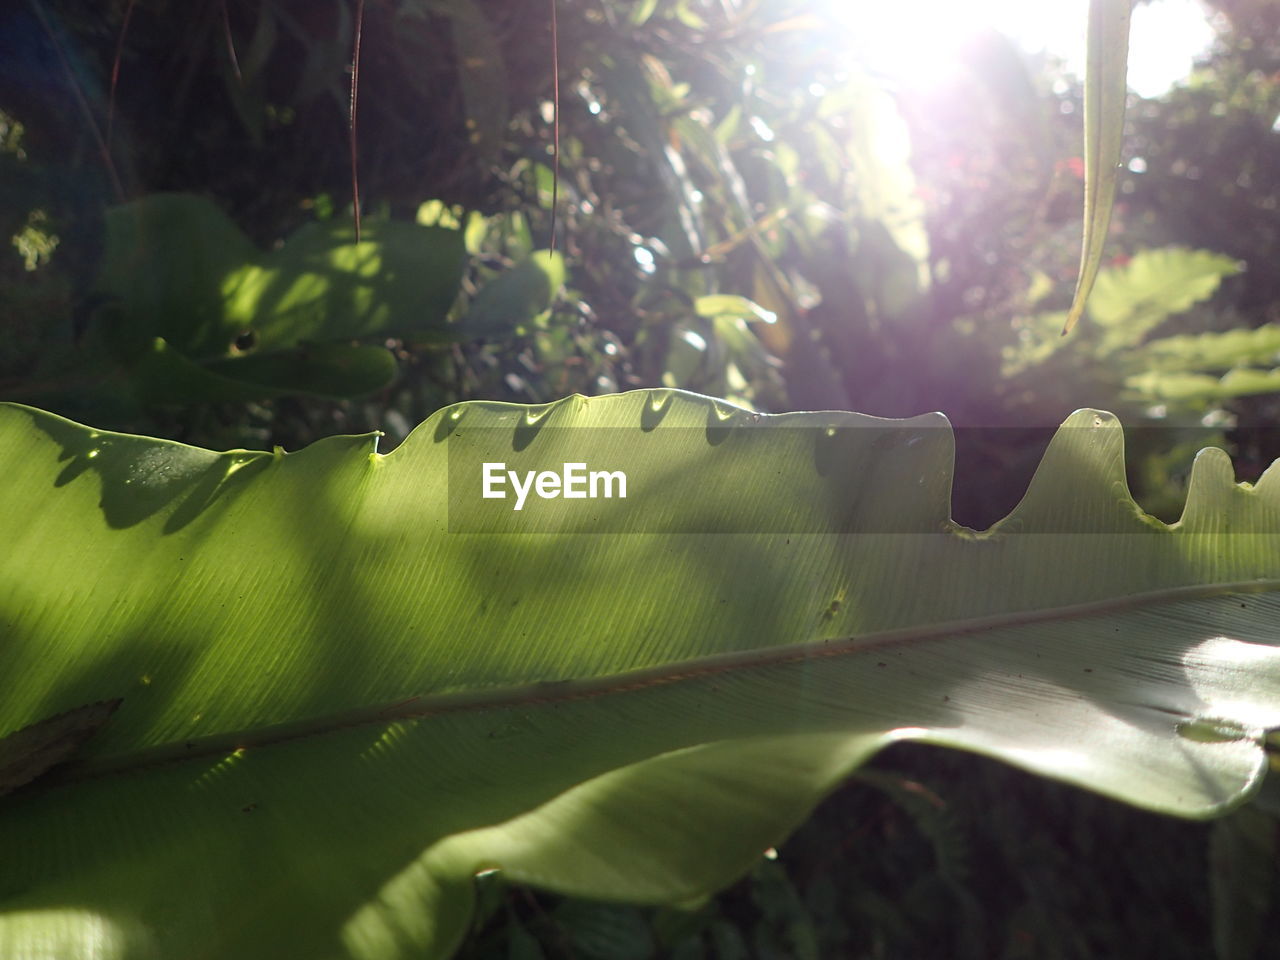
[605, 931]
[314, 369]
[196, 313]
[162, 375]
[1259, 346]
[163, 262]
[1130, 301]
[726, 305]
[1201, 388]
[514, 297]
[521, 944]
[642, 11]
[400, 280]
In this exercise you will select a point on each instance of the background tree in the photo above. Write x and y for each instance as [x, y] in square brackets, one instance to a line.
[744, 211]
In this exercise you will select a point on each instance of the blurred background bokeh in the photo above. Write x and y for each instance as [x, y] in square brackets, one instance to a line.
[794, 204]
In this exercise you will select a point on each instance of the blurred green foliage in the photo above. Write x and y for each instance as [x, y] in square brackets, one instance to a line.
[746, 210]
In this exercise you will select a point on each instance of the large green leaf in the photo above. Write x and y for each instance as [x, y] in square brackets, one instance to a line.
[349, 683]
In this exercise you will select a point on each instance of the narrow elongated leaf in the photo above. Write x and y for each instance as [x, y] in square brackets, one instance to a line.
[482, 78]
[1242, 856]
[352, 681]
[1104, 103]
[727, 305]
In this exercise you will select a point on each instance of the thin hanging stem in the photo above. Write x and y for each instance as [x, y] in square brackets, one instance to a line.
[115, 70]
[355, 87]
[555, 124]
[231, 45]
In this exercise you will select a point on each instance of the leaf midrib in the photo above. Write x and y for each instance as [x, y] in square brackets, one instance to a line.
[544, 693]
